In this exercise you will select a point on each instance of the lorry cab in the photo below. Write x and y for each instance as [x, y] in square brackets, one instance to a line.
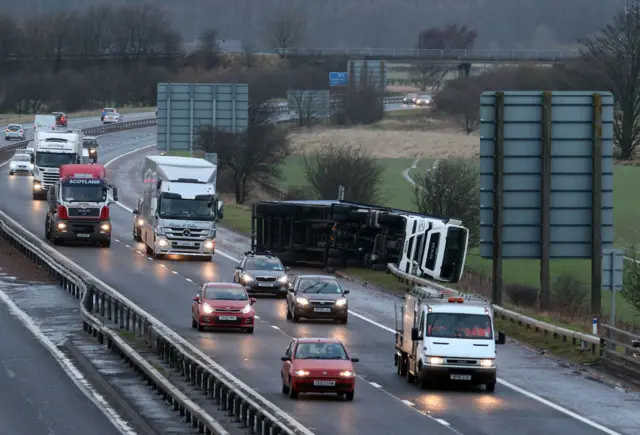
[446, 340]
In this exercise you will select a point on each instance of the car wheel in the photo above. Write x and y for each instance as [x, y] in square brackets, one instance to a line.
[343, 320]
[194, 324]
[294, 316]
[285, 389]
[10, 173]
[250, 330]
[288, 313]
[349, 396]
[490, 387]
[200, 327]
[292, 393]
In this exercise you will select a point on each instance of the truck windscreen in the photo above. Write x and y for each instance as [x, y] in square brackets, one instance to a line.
[459, 325]
[454, 252]
[186, 209]
[54, 160]
[72, 191]
[90, 143]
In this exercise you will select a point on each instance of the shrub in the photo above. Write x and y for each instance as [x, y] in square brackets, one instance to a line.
[522, 295]
[569, 296]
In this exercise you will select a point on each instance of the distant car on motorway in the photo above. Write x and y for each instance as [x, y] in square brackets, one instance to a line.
[61, 119]
[317, 297]
[105, 111]
[410, 99]
[137, 222]
[14, 131]
[223, 305]
[318, 365]
[424, 100]
[21, 164]
[111, 117]
[262, 273]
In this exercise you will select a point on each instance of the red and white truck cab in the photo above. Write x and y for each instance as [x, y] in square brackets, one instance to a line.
[79, 206]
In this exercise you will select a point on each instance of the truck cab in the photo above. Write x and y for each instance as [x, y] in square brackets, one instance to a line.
[79, 206]
[442, 340]
[52, 150]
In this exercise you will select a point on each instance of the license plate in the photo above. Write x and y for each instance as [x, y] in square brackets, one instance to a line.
[461, 377]
[265, 284]
[228, 318]
[324, 383]
[322, 310]
[85, 236]
[190, 244]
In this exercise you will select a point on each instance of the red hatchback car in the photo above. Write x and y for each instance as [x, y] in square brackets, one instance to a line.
[318, 365]
[223, 305]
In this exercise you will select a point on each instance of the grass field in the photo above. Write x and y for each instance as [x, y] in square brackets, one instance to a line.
[11, 118]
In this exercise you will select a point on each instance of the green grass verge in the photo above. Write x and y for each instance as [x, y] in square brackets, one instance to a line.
[237, 217]
[184, 153]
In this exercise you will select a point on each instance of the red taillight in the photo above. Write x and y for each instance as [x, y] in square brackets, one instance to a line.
[62, 212]
[104, 213]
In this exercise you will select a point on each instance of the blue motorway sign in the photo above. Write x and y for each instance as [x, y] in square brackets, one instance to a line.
[338, 79]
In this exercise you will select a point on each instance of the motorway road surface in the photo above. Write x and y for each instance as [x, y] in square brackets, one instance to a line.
[36, 395]
[384, 403]
[78, 123]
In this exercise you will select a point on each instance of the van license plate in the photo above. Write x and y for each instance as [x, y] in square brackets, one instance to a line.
[228, 318]
[461, 377]
[84, 236]
[324, 383]
[322, 310]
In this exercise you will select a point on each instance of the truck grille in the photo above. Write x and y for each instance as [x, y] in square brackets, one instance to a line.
[176, 245]
[186, 233]
[265, 278]
[81, 227]
[50, 176]
[84, 212]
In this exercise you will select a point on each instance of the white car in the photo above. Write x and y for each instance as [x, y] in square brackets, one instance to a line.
[21, 164]
[14, 131]
[111, 117]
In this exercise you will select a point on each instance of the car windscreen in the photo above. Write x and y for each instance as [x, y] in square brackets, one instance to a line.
[84, 192]
[225, 294]
[320, 351]
[320, 286]
[263, 264]
[21, 158]
[459, 325]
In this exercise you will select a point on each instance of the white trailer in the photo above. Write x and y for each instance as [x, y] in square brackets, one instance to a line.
[442, 339]
[52, 150]
[179, 207]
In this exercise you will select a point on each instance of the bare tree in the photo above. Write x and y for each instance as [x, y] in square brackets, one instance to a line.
[450, 36]
[615, 52]
[286, 29]
[303, 103]
[11, 37]
[255, 155]
[429, 76]
[463, 103]
[352, 167]
[451, 188]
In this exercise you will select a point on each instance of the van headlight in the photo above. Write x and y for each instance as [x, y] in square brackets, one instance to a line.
[436, 361]
[487, 363]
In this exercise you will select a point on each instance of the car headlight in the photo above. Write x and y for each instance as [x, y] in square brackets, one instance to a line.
[246, 278]
[31, 166]
[283, 279]
[62, 225]
[105, 227]
[209, 244]
[208, 309]
[347, 374]
[487, 363]
[140, 222]
[341, 302]
[302, 301]
[246, 309]
[436, 360]
[12, 164]
[92, 151]
[162, 243]
[301, 373]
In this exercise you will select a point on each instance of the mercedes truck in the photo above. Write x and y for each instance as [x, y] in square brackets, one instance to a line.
[52, 150]
[79, 206]
[179, 207]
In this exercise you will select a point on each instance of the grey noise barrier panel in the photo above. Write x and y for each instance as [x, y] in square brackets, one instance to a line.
[569, 139]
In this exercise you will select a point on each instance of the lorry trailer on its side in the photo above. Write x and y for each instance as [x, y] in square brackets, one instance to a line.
[79, 206]
[341, 233]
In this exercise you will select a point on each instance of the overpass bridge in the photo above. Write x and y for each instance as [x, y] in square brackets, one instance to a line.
[439, 56]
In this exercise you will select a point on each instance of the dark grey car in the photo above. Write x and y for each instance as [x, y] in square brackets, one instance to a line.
[263, 274]
[317, 297]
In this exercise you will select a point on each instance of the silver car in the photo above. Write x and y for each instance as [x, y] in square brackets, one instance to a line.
[21, 164]
[14, 131]
[317, 297]
[263, 274]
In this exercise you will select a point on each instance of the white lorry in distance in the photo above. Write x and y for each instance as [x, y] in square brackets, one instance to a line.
[446, 339]
[52, 150]
[44, 123]
[179, 207]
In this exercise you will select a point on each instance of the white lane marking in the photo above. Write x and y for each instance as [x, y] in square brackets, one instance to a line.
[10, 372]
[162, 265]
[126, 154]
[70, 369]
[257, 317]
[386, 328]
[275, 327]
[406, 402]
[128, 246]
[376, 385]
[189, 279]
[442, 422]
[174, 272]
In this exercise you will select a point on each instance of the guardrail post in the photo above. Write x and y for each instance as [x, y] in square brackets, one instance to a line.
[128, 319]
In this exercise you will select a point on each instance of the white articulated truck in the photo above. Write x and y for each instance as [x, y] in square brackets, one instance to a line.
[179, 207]
[52, 150]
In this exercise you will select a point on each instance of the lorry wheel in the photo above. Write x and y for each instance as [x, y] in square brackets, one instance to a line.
[490, 387]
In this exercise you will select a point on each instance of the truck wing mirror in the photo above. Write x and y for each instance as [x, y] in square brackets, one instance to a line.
[415, 334]
[502, 338]
[220, 210]
[115, 193]
[136, 211]
[635, 343]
